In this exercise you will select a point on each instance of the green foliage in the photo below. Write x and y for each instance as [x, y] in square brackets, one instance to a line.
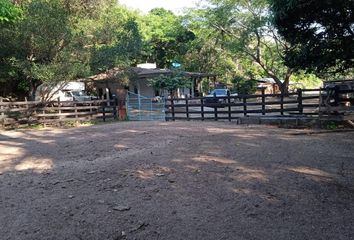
[117, 40]
[242, 85]
[165, 38]
[320, 32]
[301, 79]
[244, 31]
[170, 82]
[330, 125]
[9, 12]
[61, 40]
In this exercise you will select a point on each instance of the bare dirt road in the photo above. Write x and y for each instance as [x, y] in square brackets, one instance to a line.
[171, 181]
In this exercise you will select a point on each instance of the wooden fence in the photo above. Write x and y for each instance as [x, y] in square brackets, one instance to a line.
[304, 102]
[32, 112]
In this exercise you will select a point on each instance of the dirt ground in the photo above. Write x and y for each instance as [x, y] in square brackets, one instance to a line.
[176, 180]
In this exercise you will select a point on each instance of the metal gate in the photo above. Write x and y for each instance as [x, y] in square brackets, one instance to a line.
[140, 108]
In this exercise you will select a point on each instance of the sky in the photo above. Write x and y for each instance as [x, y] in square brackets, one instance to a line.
[146, 5]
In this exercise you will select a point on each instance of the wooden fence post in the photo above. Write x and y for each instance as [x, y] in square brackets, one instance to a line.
[263, 102]
[172, 108]
[229, 105]
[91, 113]
[59, 107]
[166, 109]
[2, 114]
[320, 104]
[282, 104]
[202, 108]
[103, 111]
[216, 101]
[43, 112]
[299, 101]
[244, 106]
[76, 116]
[187, 109]
[115, 116]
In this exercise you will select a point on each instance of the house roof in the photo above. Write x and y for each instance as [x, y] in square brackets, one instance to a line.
[145, 72]
[110, 74]
[117, 73]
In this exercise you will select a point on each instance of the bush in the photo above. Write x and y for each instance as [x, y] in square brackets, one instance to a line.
[242, 85]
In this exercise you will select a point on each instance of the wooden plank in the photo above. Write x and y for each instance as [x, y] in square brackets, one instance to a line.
[235, 104]
[205, 118]
[311, 90]
[215, 108]
[240, 96]
[282, 104]
[173, 109]
[62, 114]
[187, 109]
[103, 112]
[299, 99]
[5, 110]
[310, 105]
[263, 102]
[202, 109]
[114, 110]
[309, 97]
[239, 111]
[229, 106]
[245, 106]
[69, 108]
[19, 103]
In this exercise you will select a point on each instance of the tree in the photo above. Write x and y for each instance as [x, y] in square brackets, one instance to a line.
[61, 40]
[243, 86]
[205, 53]
[171, 82]
[165, 38]
[321, 34]
[37, 43]
[116, 40]
[245, 29]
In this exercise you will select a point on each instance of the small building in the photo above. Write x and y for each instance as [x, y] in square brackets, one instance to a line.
[269, 85]
[136, 80]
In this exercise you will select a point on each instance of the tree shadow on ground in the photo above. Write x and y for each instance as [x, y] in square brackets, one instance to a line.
[186, 180]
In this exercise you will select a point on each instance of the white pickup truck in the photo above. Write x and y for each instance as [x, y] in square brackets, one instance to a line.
[70, 91]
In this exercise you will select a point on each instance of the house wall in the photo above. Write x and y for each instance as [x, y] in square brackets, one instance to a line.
[105, 89]
[141, 87]
[270, 88]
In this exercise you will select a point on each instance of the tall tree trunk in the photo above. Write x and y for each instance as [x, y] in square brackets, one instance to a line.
[33, 88]
[284, 88]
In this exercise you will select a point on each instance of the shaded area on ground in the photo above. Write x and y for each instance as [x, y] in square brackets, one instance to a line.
[176, 180]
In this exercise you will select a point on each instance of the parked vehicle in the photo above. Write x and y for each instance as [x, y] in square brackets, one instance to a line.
[219, 92]
[70, 91]
[340, 92]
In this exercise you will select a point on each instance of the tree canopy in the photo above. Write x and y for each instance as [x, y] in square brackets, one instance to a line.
[165, 37]
[171, 82]
[244, 29]
[238, 40]
[61, 40]
[321, 33]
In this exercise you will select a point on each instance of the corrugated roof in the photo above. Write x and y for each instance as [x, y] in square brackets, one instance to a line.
[116, 73]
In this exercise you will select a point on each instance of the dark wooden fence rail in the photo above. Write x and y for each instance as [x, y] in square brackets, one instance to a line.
[30, 112]
[303, 102]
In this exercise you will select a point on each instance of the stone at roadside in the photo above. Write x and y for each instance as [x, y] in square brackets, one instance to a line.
[121, 208]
